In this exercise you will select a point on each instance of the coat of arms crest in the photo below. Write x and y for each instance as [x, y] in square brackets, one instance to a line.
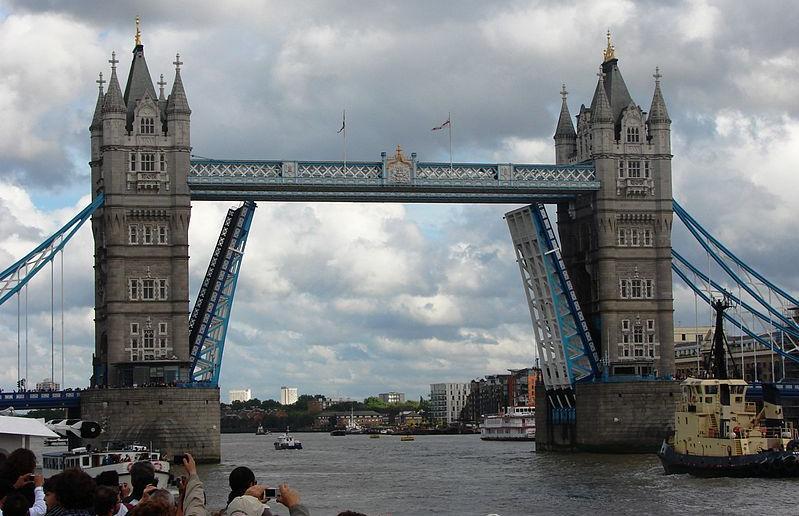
[398, 168]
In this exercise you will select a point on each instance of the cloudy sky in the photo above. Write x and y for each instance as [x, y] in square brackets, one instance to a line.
[351, 300]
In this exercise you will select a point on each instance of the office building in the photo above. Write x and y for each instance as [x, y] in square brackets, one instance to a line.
[241, 395]
[288, 395]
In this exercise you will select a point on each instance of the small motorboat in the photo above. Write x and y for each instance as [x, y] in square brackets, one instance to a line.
[407, 438]
[339, 432]
[287, 442]
[260, 431]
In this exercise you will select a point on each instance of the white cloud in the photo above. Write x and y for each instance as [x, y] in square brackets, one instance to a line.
[355, 298]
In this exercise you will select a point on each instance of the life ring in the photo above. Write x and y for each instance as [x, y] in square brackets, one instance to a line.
[157, 465]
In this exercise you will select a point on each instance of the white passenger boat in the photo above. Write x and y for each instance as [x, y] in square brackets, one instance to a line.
[516, 424]
[287, 442]
[94, 462]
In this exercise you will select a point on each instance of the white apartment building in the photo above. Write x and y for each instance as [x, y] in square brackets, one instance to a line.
[239, 395]
[288, 395]
[392, 397]
[446, 401]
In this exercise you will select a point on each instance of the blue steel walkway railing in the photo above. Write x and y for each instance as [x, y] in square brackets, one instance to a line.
[394, 179]
[25, 400]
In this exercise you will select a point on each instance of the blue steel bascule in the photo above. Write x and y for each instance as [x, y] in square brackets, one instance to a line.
[574, 330]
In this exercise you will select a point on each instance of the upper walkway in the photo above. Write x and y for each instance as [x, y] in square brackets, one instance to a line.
[24, 400]
[393, 179]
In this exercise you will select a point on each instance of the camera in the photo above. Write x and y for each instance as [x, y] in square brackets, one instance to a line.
[271, 492]
[178, 459]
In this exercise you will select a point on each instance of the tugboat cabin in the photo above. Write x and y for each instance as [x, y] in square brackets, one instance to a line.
[714, 419]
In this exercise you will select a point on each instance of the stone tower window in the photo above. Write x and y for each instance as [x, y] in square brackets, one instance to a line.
[147, 234]
[133, 162]
[622, 237]
[148, 290]
[133, 234]
[133, 289]
[621, 169]
[633, 135]
[647, 238]
[147, 126]
[163, 163]
[634, 168]
[163, 235]
[148, 162]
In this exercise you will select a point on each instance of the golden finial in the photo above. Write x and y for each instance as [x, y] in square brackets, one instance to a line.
[138, 31]
[610, 51]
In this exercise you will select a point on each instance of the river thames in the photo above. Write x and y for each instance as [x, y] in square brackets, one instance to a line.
[462, 475]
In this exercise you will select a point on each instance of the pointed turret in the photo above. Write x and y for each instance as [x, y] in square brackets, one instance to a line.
[615, 88]
[177, 109]
[177, 101]
[139, 81]
[600, 107]
[565, 126]
[113, 102]
[97, 119]
[658, 112]
[565, 135]
[659, 123]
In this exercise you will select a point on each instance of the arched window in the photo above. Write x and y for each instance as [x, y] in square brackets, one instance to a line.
[633, 135]
[147, 125]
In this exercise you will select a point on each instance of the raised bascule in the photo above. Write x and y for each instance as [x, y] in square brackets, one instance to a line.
[600, 295]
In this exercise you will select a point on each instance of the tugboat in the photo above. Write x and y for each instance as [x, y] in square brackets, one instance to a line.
[287, 442]
[717, 433]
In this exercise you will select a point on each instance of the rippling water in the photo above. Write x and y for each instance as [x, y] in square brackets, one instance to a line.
[462, 475]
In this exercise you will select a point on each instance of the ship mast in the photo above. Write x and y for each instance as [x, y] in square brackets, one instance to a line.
[720, 346]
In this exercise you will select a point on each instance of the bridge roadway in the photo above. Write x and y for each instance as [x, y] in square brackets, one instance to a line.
[27, 400]
[394, 179]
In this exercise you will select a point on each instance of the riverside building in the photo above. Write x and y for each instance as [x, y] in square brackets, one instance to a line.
[447, 401]
[288, 395]
[392, 397]
[241, 395]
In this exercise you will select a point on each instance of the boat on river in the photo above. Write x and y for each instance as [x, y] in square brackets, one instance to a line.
[718, 433]
[94, 462]
[260, 431]
[515, 424]
[285, 441]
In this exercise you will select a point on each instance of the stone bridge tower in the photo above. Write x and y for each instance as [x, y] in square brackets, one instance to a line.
[617, 242]
[140, 148]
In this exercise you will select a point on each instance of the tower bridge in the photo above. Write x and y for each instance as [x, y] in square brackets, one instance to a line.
[600, 295]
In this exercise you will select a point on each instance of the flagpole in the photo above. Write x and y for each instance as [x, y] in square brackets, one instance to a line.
[449, 117]
[344, 125]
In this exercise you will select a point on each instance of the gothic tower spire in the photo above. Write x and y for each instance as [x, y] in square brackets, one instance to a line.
[97, 119]
[139, 82]
[177, 101]
[600, 107]
[565, 135]
[113, 102]
[658, 112]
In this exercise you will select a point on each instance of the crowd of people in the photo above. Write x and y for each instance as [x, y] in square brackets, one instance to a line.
[73, 492]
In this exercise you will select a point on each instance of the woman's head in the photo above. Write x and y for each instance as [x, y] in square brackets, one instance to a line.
[240, 479]
[20, 462]
[73, 489]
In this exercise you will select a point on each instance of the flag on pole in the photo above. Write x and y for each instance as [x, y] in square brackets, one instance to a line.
[343, 121]
[445, 124]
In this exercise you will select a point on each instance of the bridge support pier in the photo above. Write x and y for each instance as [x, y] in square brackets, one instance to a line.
[173, 420]
[612, 417]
